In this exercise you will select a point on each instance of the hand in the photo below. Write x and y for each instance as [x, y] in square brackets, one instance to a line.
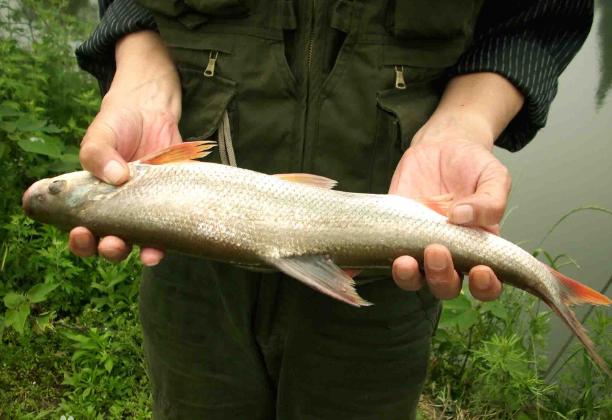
[451, 154]
[138, 115]
[479, 184]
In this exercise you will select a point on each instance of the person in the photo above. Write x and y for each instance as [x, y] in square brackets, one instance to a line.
[404, 97]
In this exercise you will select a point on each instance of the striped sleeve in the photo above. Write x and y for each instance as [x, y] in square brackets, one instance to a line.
[117, 18]
[530, 43]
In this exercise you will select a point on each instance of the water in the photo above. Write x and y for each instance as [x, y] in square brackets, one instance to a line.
[568, 165]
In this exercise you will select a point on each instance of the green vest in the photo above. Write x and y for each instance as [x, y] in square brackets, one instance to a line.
[336, 88]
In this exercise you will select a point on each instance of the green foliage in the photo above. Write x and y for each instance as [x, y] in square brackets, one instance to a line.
[45, 101]
[490, 359]
[70, 339]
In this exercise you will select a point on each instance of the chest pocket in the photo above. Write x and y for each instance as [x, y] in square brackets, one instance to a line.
[209, 109]
[436, 30]
[219, 8]
[433, 19]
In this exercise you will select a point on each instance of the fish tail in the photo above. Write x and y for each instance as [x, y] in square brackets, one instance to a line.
[572, 293]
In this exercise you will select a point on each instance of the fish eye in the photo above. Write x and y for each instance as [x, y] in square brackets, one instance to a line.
[57, 186]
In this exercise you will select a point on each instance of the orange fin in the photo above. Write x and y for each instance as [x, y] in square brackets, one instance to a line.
[179, 152]
[574, 292]
[577, 293]
[569, 317]
[309, 179]
[438, 203]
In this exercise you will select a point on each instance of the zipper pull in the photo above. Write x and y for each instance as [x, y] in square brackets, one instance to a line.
[210, 67]
[399, 77]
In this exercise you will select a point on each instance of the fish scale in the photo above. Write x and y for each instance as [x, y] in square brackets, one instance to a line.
[292, 222]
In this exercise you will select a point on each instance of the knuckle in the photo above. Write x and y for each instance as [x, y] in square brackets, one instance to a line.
[497, 208]
[87, 151]
[508, 180]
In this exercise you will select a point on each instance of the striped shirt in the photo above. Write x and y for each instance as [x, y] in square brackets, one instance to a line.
[530, 42]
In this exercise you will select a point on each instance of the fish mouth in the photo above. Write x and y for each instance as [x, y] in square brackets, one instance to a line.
[26, 199]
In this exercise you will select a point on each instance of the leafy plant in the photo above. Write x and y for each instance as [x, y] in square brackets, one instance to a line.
[20, 305]
[490, 359]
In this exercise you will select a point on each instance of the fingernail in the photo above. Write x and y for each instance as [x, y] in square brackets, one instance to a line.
[151, 262]
[482, 281]
[113, 172]
[405, 277]
[436, 261]
[462, 214]
[81, 241]
[113, 253]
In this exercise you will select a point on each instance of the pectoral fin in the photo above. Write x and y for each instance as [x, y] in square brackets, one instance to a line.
[322, 274]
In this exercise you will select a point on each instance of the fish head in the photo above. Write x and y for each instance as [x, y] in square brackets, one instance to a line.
[59, 200]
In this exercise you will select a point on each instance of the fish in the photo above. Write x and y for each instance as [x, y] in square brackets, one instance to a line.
[295, 223]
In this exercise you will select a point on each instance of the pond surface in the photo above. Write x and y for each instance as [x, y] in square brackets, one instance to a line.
[569, 165]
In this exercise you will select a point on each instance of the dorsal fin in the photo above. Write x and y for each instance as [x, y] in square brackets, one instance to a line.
[309, 179]
[438, 203]
[179, 152]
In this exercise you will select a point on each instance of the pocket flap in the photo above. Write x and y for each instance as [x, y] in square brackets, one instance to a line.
[211, 96]
[175, 36]
[198, 41]
[423, 53]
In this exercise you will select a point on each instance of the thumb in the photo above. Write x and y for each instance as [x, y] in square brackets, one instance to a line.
[487, 205]
[99, 154]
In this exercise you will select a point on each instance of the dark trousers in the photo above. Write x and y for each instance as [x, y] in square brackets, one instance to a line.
[225, 343]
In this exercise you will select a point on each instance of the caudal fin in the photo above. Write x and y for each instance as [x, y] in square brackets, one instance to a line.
[576, 293]
[573, 293]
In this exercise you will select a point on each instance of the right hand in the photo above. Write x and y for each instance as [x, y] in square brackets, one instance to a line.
[138, 115]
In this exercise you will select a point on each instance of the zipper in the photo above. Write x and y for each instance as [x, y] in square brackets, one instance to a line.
[224, 134]
[310, 40]
[310, 48]
[209, 71]
[400, 83]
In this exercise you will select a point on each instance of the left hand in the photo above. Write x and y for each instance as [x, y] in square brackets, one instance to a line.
[479, 184]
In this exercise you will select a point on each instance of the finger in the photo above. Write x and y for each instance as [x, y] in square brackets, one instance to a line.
[99, 153]
[494, 229]
[487, 205]
[113, 248]
[151, 256]
[82, 242]
[484, 285]
[440, 273]
[406, 274]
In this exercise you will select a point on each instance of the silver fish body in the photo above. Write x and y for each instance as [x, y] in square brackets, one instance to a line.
[252, 219]
[245, 217]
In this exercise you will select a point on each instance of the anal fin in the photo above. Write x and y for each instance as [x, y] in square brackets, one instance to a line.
[322, 274]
